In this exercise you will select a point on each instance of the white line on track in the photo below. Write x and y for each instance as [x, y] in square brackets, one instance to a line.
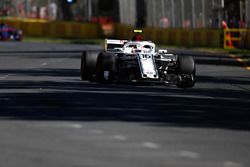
[4, 77]
[189, 154]
[96, 132]
[151, 145]
[61, 125]
[120, 137]
[44, 64]
[231, 164]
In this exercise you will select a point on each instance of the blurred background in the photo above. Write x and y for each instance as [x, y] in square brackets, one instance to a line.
[209, 23]
[140, 13]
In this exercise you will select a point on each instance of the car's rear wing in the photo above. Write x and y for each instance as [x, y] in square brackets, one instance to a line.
[111, 44]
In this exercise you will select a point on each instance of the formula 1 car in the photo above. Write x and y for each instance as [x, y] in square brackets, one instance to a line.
[136, 61]
[10, 33]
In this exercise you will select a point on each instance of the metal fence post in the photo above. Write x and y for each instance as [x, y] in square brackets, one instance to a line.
[193, 14]
[173, 13]
[203, 14]
[89, 10]
[182, 12]
[154, 12]
[162, 8]
[246, 16]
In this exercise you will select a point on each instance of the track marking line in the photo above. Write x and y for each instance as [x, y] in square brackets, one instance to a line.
[231, 164]
[151, 145]
[61, 125]
[242, 61]
[120, 137]
[96, 132]
[44, 64]
[189, 154]
[4, 77]
[76, 126]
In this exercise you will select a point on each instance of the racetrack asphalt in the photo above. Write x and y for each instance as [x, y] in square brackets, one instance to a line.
[49, 117]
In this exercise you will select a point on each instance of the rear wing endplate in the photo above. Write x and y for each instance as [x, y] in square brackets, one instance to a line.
[114, 44]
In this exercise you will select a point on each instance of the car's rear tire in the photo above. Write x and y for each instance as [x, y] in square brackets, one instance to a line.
[186, 77]
[88, 65]
[106, 70]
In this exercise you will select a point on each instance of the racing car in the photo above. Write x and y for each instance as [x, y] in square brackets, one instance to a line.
[137, 61]
[10, 33]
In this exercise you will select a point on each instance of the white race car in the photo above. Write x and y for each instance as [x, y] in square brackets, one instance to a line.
[136, 61]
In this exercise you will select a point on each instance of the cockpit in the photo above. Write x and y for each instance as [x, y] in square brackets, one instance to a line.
[139, 47]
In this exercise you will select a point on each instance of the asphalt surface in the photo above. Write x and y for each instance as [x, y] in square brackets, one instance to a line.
[49, 117]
